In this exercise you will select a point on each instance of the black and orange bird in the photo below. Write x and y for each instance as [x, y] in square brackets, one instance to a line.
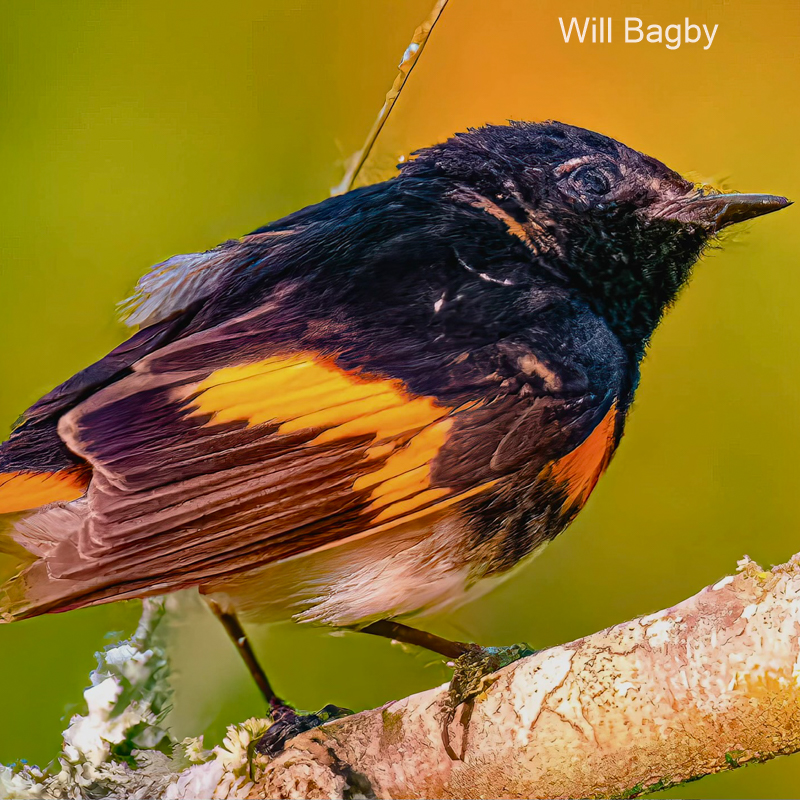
[372, 408]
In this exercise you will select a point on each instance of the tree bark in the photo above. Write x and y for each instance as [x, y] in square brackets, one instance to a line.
[707, 685]
[704, 686]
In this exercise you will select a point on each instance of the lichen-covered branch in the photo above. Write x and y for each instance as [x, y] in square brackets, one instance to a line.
[704, 686]
[707, 685]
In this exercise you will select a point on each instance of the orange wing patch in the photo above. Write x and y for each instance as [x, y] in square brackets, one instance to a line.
[21, 491]
[305, 392]
[406, 474]
[578, 471]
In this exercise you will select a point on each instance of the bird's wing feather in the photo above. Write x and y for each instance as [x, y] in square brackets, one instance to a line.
[36, 467]
[172, 286]
[198, 474]
[202, 472]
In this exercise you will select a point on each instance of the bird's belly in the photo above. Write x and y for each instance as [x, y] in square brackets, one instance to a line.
[394, 574]
[410, 572]
[429, 564]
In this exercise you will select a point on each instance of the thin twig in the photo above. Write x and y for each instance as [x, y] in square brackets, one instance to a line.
[405, 68]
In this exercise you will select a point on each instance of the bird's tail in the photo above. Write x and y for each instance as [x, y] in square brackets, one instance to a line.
[14, 559]
[37, 548]
[27, 541]
[43, 510]
[40, 506]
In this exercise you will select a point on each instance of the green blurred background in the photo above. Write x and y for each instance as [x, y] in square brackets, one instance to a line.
[135, 130]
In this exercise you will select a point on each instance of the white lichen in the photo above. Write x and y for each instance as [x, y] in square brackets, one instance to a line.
[746, 563]
[117, 746]
[194, 750]
[658, 634]
[749, 611]
[623, 687]
[23, 783]
[200, 781]
[225, 773]
[120, 727]
[90, 737]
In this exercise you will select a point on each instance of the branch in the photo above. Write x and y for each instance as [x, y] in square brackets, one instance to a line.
[704, 686]
[707, 685]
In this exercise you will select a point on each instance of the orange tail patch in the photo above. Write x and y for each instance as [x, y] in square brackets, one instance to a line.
[21, 491]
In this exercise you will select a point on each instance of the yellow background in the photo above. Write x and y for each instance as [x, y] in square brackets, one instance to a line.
[132, 131]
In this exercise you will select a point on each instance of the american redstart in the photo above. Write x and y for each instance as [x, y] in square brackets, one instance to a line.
[364, 410]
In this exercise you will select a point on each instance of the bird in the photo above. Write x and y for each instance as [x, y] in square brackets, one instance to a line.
[371, 409]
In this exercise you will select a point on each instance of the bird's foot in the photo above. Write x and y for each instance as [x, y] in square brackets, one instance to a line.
[469, 680]
[288, 723]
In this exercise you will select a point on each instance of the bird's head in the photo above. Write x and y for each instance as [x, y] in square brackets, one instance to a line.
[615, 225]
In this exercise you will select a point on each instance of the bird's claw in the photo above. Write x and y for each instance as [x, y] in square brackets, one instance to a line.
[288, 723]
[469, 673]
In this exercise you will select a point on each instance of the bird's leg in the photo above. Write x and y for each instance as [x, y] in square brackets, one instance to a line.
[287, 722]
[471, 665]
[239, 638]
[403, 633]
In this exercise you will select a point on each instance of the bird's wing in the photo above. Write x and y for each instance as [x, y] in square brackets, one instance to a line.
[36, 467]
[201, 472]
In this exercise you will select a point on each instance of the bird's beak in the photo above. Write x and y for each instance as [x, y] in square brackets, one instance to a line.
[716, 211]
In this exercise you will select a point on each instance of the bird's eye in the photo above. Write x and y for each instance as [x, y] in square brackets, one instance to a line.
[591, 180]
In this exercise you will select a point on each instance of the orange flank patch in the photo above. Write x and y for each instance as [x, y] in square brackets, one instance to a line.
[306, 392]
[21, 491]
[578, 471]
